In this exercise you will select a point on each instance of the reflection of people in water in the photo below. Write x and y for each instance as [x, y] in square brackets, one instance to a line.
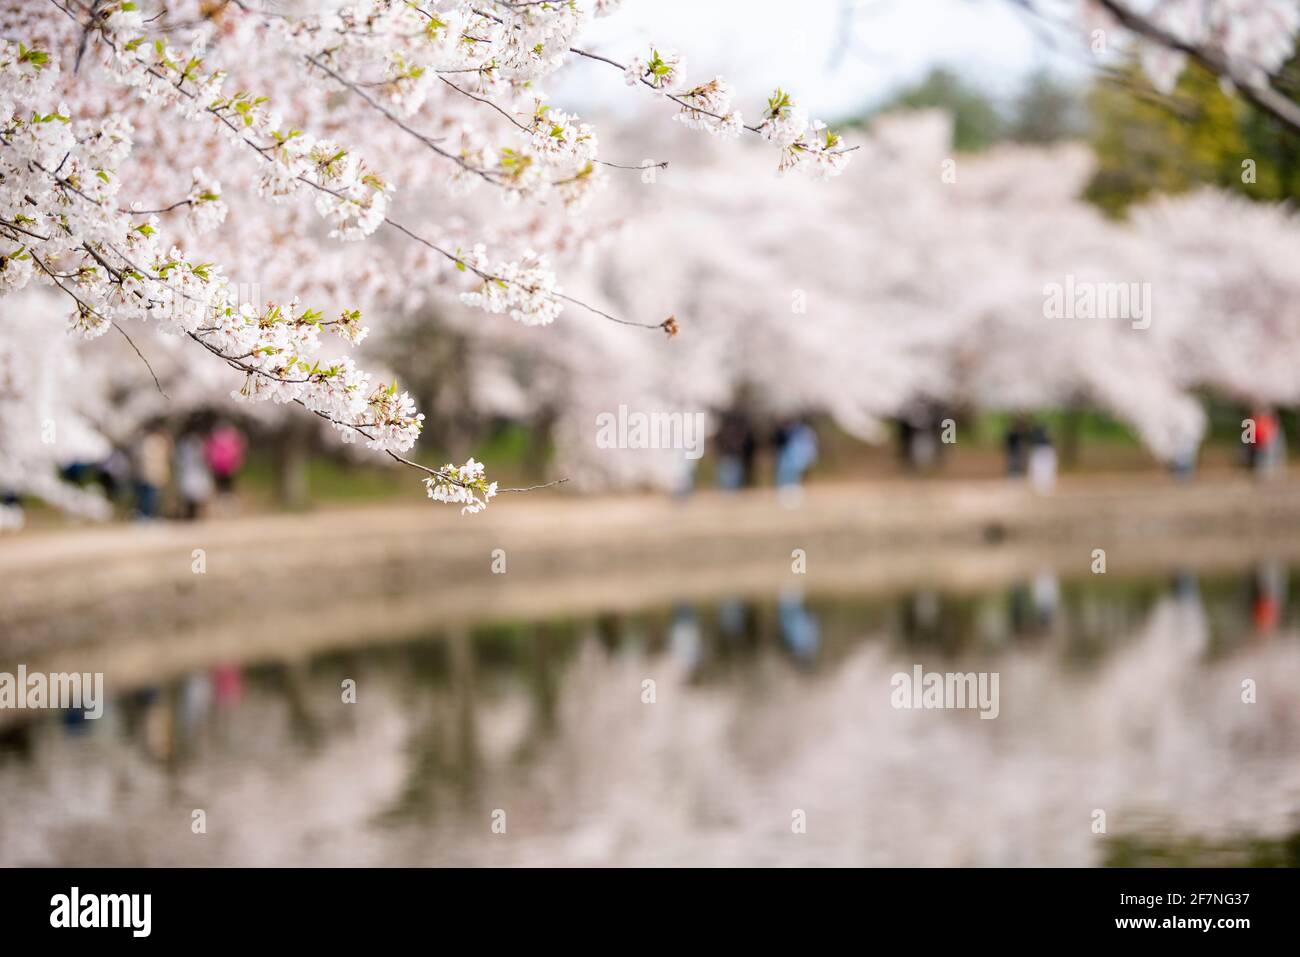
[74, 721]
[684, 639]
[799, 631]
[1020, 600]
[16, 740]
[1185, 587]
[736, 623]
[156, 725]
[227, 685]
[609, 631]
[1047, 596]
[919, 616]
[1268, 597]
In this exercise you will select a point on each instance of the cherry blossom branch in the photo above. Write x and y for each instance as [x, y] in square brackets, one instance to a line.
[448, 475]
[157, 212]
[668, 326]
[622, 68]
[487, 102]
[358, 89]
[1264, 96]
[90, 309]
[399, 123]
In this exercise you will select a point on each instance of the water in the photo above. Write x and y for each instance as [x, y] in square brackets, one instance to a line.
[730, 732]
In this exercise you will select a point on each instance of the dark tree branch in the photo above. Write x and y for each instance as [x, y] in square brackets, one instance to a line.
[1265, 97]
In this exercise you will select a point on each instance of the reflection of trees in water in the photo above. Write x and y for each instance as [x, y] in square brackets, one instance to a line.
[547, 722]
[445, 747]
[1154, 725]
[1176, 850]
[441, 744]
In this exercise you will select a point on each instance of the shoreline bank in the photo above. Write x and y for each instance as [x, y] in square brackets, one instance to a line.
[283, 587]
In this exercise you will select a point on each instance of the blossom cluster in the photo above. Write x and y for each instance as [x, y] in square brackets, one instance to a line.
[806, 146]
[464, 485]
[525, 289]
[60, 226]
[493, 52]
[350, 194]
[708, 107]
[813, 147]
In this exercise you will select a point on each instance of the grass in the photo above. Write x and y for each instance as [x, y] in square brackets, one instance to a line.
[339, 481]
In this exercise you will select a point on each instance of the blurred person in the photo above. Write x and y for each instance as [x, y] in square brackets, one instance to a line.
[114, 474]
[684, 484]
[224, 451]
[924, 451]
[796, 452]
[1016, 446]
[151, 468]
[193, 479]
[737, 447]
[1268, 453]
[904, 433]
[1042, 460]
[77, 471]
[11, 511]
[1183, 462]
[919, 445]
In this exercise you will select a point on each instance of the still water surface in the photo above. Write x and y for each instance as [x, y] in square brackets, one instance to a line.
[736, 732]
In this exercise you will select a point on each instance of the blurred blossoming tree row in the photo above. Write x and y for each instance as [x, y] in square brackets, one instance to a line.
[288, 191]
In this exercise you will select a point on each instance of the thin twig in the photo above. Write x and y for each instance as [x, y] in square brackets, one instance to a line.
[90, 309]
[142, 358]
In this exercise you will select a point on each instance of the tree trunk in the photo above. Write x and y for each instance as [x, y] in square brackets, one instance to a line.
[1071, 427]
[291, 485]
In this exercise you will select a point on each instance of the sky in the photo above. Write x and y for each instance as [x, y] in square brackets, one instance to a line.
[805, 47]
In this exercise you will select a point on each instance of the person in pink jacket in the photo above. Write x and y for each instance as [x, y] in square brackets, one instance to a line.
[224, 451]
